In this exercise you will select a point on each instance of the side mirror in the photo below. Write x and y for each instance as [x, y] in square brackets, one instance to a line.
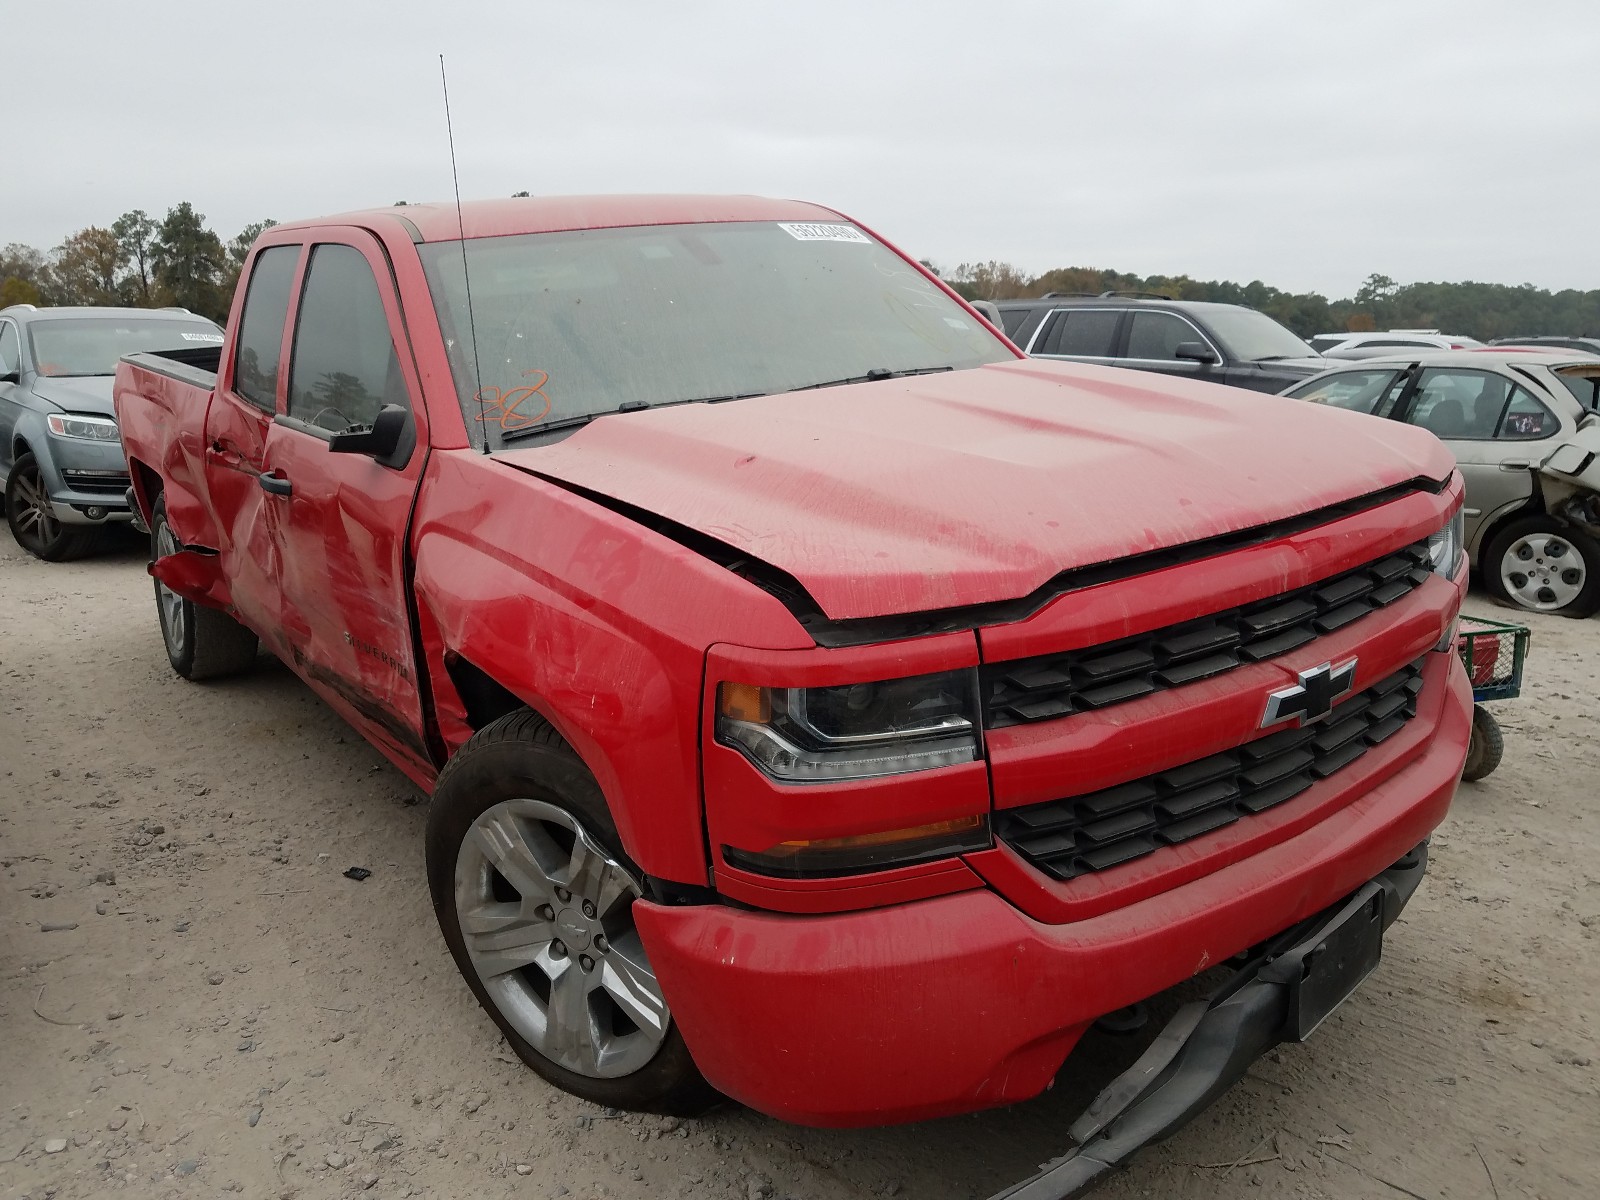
[1194, 352]
[389, 439]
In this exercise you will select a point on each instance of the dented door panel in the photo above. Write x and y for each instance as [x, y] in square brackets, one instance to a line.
[340, 531]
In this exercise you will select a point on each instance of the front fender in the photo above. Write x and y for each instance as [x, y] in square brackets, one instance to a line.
[627, 709]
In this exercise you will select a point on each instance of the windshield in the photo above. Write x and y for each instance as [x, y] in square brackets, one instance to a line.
[1252, 336]
[92, 345]
[570, 325]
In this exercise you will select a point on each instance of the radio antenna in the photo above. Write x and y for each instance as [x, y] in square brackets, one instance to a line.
[466, 276]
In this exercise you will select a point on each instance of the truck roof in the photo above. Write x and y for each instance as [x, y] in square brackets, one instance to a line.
[437, 222]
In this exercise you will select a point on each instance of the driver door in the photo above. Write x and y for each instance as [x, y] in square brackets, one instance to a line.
[342, 517]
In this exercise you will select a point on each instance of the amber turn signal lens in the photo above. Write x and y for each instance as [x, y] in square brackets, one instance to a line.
[864, 852]
[887, 837]
[745, 702]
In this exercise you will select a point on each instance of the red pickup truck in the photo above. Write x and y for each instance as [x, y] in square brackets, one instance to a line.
[821, 703]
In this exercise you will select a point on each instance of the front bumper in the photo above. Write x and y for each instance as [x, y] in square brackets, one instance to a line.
[87, 481]
[962, 1002]
[1280, 994]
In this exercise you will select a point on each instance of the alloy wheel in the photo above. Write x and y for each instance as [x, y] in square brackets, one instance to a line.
[1543, 571]
[168, 602]
[34, 519]
[546, 918]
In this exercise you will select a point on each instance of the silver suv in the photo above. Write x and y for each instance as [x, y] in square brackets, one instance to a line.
[61, 461]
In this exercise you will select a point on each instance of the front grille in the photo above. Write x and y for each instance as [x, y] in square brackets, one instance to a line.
[101, 483]
[1100, 830]
[1057, 685]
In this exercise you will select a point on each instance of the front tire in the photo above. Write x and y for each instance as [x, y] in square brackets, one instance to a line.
[34, 522]
[534, 897]
[202, 643]
[1541, 565]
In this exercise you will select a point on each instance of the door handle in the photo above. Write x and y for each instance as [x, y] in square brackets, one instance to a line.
[274, 483]
[1516, 464]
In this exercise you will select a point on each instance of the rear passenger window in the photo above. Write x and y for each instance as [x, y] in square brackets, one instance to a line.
[1085, 333]
[1156, 335]
[266, 307]
[1526, 419]
[344, 367]
[1465, 405]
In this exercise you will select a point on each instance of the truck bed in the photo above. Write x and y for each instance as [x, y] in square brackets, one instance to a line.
[197, 364]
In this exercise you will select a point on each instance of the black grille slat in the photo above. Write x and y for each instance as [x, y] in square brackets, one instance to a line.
[1193, 827]
[1053, 686]
[96, 482]
[1205, 639]
[1264, 798]
[1080, 835]
[1116, 693]
[1181, 673]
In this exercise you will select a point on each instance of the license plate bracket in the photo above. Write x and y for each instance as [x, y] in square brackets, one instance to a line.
[1324, 969]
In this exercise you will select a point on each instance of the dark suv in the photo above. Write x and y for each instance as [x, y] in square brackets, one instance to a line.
[1220, 343]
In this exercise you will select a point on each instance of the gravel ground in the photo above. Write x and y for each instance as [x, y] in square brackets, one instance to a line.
[195, 1002]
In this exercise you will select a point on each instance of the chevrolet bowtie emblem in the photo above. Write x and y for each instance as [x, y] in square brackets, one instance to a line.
[1313, 698]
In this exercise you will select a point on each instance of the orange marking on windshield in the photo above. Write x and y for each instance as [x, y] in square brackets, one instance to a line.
[504, 407]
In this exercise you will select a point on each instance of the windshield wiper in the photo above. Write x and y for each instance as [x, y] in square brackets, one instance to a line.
[871, 376]
[573, 422]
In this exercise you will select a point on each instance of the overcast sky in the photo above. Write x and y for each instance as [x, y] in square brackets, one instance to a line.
[1304, 144]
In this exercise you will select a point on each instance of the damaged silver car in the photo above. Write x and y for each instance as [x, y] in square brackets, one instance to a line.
[1524, 427]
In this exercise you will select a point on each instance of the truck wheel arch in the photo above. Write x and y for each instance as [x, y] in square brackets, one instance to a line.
[147, 486]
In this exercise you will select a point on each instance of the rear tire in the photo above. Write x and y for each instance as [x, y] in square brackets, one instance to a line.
[524, 858]
[33, 520]
[1541, 565]
[202, 643]
[1486, 747]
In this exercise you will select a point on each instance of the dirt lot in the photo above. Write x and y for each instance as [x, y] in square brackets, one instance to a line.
[196, 1002]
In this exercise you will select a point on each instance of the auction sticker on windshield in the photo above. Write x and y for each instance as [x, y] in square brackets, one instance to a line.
[806, 232]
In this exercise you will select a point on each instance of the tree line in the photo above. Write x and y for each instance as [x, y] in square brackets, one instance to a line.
[136, 261]
[1479, 310]
[146, 263]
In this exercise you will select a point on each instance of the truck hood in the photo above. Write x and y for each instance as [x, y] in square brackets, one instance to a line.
[76, 393]
[938, 491]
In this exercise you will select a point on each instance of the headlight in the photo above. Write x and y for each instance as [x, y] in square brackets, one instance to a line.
[1445, 547]
[90, 429]
[856, 731]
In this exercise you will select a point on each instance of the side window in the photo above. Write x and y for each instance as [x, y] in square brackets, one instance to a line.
[266, 307]
[343, 368]
[1087, 333]
[1526, 419]
[1465, 405]
[1155, 335]
[1358, 391]
[10, 349]
[1012, 319]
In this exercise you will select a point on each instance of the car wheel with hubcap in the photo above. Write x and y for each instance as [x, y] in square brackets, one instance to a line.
[535, 899]
[1541, 565]
[202, 643]
[33, 519]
